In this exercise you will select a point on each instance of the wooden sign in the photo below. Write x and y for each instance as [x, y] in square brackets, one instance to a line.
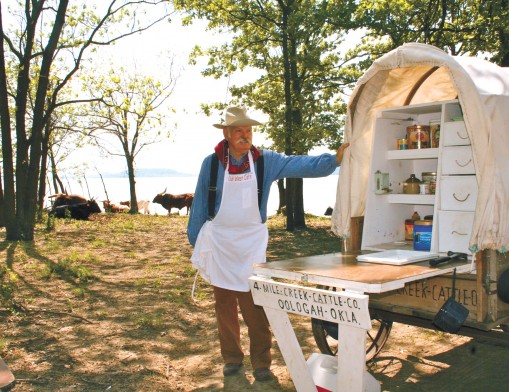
[341, 307]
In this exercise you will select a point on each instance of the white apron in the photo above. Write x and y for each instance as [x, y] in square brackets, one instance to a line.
[229, 245]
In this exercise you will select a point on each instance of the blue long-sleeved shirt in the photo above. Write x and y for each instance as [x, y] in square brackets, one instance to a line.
[276, 166]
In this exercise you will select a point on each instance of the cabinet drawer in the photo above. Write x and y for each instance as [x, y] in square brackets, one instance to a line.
[455, 134]
[458, 193]
[454, 231]
[457, 160]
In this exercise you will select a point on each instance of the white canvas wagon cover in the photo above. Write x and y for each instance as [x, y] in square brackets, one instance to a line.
[417, 73]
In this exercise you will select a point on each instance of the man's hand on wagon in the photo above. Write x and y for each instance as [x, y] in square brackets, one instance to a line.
[340, 152]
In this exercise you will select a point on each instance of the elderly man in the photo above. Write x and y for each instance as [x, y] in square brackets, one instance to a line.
[226, 228]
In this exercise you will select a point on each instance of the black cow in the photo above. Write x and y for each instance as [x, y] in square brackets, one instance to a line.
[80, 211]
[63, 199]
[169, 201]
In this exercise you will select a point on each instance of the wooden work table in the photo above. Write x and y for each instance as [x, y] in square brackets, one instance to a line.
[344, 271]
[348, 307]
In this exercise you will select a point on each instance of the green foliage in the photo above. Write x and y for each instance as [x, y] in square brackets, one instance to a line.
[296, 48]
[474, 27]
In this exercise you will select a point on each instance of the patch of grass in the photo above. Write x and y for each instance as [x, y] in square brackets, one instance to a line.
[316, 238]
[8, 283]
[179, 296]
[147, 282]
[70, 266]
[149, 320]
[99, 244]
[79, 292]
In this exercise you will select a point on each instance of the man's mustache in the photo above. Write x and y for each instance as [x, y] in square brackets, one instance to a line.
[243, 140]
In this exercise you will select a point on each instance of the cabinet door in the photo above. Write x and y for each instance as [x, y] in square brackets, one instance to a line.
[458, 193]
[454, 133]
[454, 231]
[457, 160]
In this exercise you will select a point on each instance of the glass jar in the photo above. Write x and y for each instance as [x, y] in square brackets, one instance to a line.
[411, 185]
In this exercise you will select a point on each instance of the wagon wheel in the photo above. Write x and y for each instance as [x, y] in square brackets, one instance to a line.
[326, 336]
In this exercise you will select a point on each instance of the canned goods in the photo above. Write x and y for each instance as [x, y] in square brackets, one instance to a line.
[402, 144]
[431, 179]
[418, 136]
[424, 188]
[434, 133]
[429, 176]
[422, 234]
[409, 229]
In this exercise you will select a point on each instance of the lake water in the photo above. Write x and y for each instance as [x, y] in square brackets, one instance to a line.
[319, 193]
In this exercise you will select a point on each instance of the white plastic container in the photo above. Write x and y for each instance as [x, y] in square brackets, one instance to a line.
[324, 369]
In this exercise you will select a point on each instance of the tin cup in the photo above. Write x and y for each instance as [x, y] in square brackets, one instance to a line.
[402, 144]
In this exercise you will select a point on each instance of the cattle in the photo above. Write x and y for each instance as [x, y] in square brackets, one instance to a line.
[79, 211]
[63, 199]
[112, 207]
[142, 205]
[169, 201]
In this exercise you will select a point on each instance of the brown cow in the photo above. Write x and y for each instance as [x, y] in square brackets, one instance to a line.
[112, 207]
[169, 201]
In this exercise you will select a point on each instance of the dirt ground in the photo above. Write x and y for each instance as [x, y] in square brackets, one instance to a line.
[106, 306]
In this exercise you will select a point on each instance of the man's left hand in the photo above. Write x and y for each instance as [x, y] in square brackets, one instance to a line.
[340, 152]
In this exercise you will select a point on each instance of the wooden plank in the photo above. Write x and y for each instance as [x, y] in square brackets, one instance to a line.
[430, 294]
[340, 307]
[352, 362]
[290, 349]
[482, 308]
[355, 240]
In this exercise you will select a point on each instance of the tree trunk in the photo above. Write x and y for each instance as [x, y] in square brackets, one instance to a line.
[43, 170]
[8, 204]
[58, 185]
[298, 211]
[290, 192]
[20, 214]
[282, 195]
[2, 218]
[132, 185]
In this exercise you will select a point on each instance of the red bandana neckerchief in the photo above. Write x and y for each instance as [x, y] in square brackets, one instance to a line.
[222, 152]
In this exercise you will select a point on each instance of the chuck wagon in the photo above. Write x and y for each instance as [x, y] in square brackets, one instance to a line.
[462, 105]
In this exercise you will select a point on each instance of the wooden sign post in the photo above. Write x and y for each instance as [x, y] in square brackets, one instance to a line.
[349, 310]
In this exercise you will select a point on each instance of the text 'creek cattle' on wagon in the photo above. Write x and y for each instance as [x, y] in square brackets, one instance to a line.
[169, 201]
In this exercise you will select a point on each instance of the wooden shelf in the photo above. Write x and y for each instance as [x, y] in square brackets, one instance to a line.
[399, 198]
[423, 153]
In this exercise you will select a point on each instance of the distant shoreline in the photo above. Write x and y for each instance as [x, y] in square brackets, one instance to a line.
[156, 172]
[145, 172]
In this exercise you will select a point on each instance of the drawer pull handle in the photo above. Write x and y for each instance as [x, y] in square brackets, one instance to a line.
[463, 165]
[457, 232]
[461, 136]
[461, 200]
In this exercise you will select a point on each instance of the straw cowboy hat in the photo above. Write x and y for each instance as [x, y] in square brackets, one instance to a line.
[236, 116]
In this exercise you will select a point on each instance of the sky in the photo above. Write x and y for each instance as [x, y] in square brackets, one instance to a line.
[194, 136]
